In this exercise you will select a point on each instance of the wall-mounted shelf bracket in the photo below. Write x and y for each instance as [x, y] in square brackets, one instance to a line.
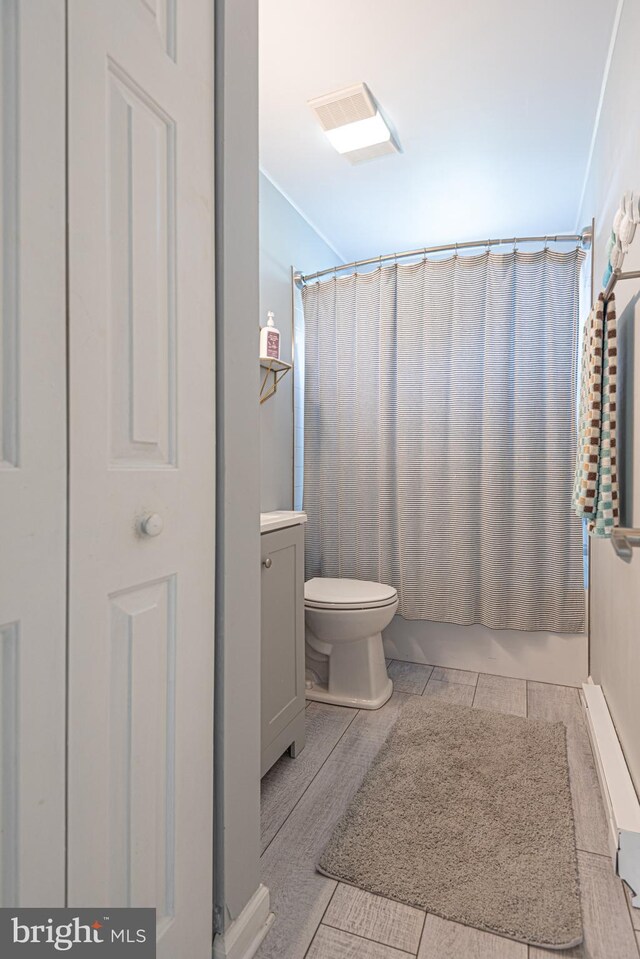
[274, 370]
[624, 538]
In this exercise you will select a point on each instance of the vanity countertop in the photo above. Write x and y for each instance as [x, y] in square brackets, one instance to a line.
[280, 518]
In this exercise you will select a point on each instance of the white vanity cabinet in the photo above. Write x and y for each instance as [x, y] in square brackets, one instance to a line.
[282, 635]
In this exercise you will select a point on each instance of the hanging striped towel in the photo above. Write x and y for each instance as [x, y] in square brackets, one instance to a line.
[595, 491]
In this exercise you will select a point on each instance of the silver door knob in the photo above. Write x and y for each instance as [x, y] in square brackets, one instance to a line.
[267, 563]
[152, 525]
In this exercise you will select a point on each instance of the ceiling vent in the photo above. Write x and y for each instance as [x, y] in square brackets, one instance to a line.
[353, 123]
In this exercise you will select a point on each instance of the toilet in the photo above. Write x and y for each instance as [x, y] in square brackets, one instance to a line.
[344, 619]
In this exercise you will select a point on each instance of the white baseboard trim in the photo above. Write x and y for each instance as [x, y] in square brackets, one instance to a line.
[560, 658]
[621, 801]
[246, 932]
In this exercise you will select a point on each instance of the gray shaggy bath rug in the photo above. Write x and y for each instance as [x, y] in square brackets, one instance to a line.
[467, 814]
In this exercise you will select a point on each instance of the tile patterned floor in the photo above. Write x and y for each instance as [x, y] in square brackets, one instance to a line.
[318, 918]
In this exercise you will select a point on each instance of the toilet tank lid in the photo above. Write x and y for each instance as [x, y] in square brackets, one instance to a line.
[346, 592]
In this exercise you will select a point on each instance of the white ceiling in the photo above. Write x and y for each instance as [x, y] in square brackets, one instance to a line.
[493, 102]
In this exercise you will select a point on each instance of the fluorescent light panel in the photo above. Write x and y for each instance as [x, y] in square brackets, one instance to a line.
[359, 134]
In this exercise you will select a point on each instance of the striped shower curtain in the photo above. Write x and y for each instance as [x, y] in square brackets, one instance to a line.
[440, 437]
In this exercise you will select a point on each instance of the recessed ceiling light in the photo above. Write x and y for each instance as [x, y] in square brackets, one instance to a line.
[353, 123]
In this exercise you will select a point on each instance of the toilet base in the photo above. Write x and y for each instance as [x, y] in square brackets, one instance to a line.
[353, 674]
[320, 694]
[345, 671]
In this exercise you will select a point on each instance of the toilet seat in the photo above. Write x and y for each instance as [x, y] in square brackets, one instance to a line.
[326, 593]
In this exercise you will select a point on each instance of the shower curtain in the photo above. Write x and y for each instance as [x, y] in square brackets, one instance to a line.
[440, 436]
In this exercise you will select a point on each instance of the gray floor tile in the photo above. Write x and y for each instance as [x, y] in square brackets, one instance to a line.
[374, 917]
[409, 677]
[446, 675]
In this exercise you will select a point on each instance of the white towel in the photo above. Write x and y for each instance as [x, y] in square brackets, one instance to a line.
[617, 257]
[626, 232]
[631, 206]
[617, 220]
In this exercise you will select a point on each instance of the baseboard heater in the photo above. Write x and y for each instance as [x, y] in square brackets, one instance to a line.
[620, 798]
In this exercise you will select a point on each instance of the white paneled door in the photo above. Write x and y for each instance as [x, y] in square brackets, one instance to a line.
[33, 460]
[141, 374]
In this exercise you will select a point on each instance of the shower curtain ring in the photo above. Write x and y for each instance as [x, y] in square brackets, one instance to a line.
[515, 248]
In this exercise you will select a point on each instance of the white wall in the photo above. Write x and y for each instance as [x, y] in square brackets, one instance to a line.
[615, 584]
[286, 240]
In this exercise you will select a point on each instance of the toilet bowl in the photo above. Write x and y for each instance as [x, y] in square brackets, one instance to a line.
[344, 619]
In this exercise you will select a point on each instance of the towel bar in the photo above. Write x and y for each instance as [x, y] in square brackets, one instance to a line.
[619, 275]
[624, 538]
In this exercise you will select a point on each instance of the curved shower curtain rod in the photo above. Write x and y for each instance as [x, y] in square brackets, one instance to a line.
[584, 238]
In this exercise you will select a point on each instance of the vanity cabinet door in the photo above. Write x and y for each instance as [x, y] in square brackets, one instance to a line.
[283, 695]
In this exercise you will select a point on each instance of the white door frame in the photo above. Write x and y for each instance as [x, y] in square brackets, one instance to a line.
[241, 905]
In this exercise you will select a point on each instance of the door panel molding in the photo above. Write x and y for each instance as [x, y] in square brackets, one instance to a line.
[9, 751]
[9, 194]
[142, 824]
[164, 15]
[141, 193]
